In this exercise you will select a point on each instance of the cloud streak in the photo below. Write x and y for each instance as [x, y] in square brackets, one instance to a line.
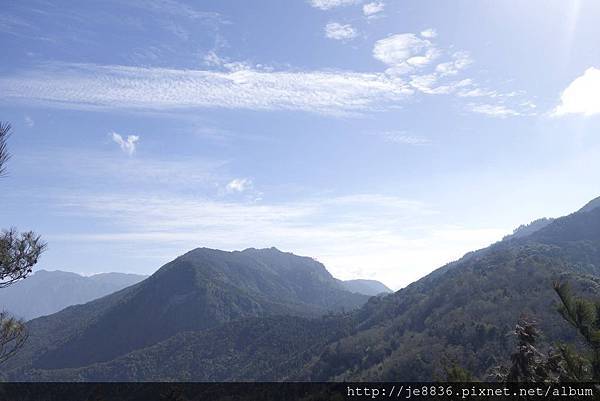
[414, 64]
[126, 88]
[329, 4]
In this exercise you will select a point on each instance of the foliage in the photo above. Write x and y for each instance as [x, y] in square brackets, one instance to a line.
[457, 374]
[18, 254]
[12, 336]
[528, 364]
[584, 316]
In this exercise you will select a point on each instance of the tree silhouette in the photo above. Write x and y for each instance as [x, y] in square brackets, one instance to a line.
[19, 252]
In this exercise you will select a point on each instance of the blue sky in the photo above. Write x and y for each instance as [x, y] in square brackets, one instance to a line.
[383, 138]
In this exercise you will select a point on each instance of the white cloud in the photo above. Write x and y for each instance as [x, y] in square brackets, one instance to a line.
[239, 185]
[127, 145]
[429, 33]
[373, 8]
[494, 110]
[582, 96]
[337, 31]
[89, 86]
[329, 4]
[404, 52]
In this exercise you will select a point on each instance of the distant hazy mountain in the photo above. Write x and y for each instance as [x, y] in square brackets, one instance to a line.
[367, 287]
[202, 289]
[46, 292]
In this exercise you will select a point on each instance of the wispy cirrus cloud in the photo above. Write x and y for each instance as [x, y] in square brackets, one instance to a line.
[329, 4]
[175, 8]
[414, 64]
[126, 88]
[494, 110]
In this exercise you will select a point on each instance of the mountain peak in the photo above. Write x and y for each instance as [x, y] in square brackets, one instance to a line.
[263, 250]
[591, 205]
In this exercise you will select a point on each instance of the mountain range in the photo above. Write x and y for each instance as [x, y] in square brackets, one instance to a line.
[267, 315]
[46, 292]
[202, 289]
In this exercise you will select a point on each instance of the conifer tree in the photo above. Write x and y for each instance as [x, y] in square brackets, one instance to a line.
[583, 315]
[19, 252]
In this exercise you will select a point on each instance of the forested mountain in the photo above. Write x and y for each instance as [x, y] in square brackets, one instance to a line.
[46, 292]
[199, 290]
[367, 287]
[463, 313]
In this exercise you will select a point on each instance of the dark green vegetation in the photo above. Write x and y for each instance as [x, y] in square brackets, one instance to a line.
[561, 362]
[460, 317]
[47, 292]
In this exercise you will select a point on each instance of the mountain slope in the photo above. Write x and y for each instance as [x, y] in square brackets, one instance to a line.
[465, 313]
[591, 205]
[367, 287]
[247, 349]
[199, 290]
[47, 292]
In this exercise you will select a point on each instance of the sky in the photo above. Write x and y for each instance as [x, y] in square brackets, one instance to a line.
[382, 138]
